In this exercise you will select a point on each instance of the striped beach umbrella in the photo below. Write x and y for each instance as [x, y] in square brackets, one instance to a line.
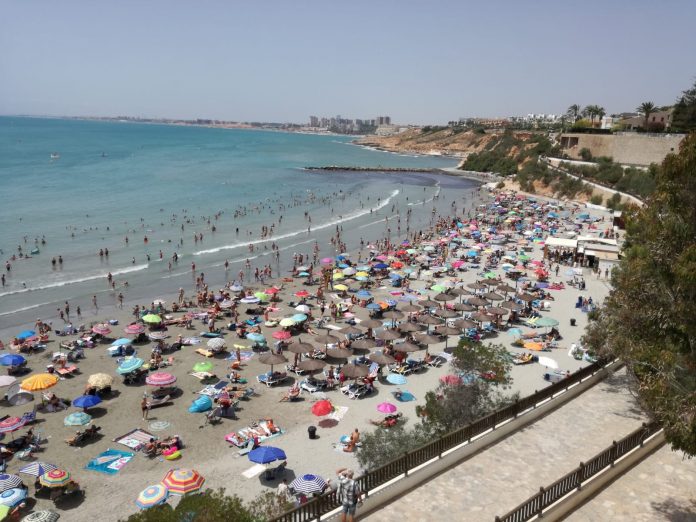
[101, 329]
[134, 329]
[217, 343]
[38, 382]
[308, 484]
[55, 478]
[79, 418]
[12, 497]
[38, 468]
[9, 481]
[160, 379]
[183, 481]
[42, 516]
[130, 365]
[12, 424]
[152, 496]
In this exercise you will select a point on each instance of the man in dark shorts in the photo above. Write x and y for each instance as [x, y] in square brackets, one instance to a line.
[348, 493]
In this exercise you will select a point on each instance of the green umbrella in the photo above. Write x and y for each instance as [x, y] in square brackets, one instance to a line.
[203, 366]
[152, 319]
[489, 275]
[546, 321]
[262, 296]
[523, 257]
[438, 288]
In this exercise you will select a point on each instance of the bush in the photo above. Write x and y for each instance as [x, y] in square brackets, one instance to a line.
[596, 199]
[586, 154]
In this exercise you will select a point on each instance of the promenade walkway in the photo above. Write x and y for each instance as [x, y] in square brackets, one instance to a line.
[660, 488]
[506, 474]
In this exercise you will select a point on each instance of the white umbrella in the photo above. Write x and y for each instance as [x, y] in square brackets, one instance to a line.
[548, 362]
[302, 308]
[6, 380]
[216, 343]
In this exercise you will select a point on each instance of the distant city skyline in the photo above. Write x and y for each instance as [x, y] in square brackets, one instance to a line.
[421, 63]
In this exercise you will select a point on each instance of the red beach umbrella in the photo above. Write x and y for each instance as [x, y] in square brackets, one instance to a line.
[322, 408]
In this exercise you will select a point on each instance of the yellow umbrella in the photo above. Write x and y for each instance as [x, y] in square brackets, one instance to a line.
[338, 276]
[100, 380]
[341, 288]
[362, 274]
[38, 382]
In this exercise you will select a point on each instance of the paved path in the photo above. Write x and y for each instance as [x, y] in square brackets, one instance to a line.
[662, 487]
[498, 479]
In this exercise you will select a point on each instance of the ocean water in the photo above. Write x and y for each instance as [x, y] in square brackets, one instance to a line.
[116, 180]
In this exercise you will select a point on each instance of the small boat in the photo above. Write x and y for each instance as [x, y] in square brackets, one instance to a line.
[55, 155]
[35, 251]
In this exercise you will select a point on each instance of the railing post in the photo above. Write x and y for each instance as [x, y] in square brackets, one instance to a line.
[406, 464]
[535, 402]
[642, 439]
[540, 495]
[581, 475]
[613, 452]
[517, 408]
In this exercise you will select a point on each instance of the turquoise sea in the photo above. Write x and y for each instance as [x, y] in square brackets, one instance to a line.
[109, 181]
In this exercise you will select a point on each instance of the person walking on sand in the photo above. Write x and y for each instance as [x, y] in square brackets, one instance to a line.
[94, 303]
[144, 407]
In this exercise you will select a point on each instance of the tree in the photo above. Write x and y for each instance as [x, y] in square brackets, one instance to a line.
[648, 318]
[386, 444]
[573, 112]
[589, 112]
[585, 154]
[646, 109]
[684, 115]
[600, 113]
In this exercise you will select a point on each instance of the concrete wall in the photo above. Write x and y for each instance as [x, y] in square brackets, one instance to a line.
[626, 148]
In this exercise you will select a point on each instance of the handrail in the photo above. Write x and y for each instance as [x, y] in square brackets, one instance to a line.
[321, 505]
[535, 505]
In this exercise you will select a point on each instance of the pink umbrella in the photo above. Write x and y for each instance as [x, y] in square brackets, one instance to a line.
[327, 261]
[271, 291]
[451, 380]
[386, 407]
[281, 335]
[160, 379]
[101, 329]
[134, 329]
[12, 424]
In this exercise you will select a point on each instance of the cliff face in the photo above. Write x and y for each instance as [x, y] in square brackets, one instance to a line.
[447, 141]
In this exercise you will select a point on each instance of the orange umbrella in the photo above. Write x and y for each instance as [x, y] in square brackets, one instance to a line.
[38, 382]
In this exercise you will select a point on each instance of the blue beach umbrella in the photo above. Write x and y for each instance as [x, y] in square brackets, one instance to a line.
[396, 276]
[130, 365]
[363, 294]
[79, 418]
[266, 454]
[86, 401]
[256, 337]
[381, 265]
[374, 306]
[395, 378]
[299, 318]
[303, 274]
[121, 342]
[12, 359]
[308, 484]
[12, 497]
[26, 334]
[38, 468]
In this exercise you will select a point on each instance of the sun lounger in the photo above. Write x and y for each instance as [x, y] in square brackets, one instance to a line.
[204, 352]
[435, 362]
[313, 386]
[213, 390]
[67, 370]
[271, 380]
[203, 375]
[154, 403]
[354, 391]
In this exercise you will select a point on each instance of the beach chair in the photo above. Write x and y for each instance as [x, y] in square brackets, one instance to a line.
[204, 352]
[154, 403]
[271, 379]
[29, 416]
[213, 390]
[294, 369]
[67, 370]
[354, 390]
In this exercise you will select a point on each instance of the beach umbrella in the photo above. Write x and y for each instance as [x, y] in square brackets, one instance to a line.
[11, 424]
[428, 339]
[477, 286]
[363, 344]
[286, 322]
[21, 398]
[446, 330]
[8, 481]
[266, 455]
[12, 359]
[37, 468]
[7, 380]
[354, 371]
[152, 319]
[381, 358]
[512, 305]
[429, 319]
[386, 407]
[341, 288]
[396, 378]
[203, 366]
[152, 496]
[371, 323]
[216, 343]
[410, 308]
[327, 261]
[86, 401]
[308, 484]
[79, 418]
[100, 380]
[302, 293]
[123, 341]
[129, 365]
[160, 379]
[256, 337]
[388, 335]
[183, 481]
[393, 314]
[302, 309]
[38, 382]
[327, 339]
[55, 478]
[410, 327]
[428, 303]
[460, 291]
[406, 347]
[101, 329]
[505, 288]
[464, 307]
[339, 353]
[262, 296]
[350, 330]
[299, 318]
[465, 323]
[445, 313]
[496, 310]
[311, 365]
[281, 335]
[42, 516]
[12, 497]
[300, 347]
[322, 408]
[134, 329]
[250, 300]
[546, 322]
[492, 296]
[373, 306]
[528, 298]
[477, 301]
[25, 334]
[482, 317]
[157, 336]
[272, 359]
[445, 297]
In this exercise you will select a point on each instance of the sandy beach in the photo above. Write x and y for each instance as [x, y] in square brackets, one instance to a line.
[204, 446]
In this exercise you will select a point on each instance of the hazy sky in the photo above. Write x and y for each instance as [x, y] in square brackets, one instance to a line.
[418, 61]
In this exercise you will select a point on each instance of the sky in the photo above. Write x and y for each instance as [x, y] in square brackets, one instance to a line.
[282, 61]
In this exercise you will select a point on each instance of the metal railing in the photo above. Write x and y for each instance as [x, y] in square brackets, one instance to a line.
[549, 495]
[321, 505]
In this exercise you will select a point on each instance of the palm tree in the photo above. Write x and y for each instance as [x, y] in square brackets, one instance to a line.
[590, 112]
[600, 114]
[646, 109]
[573, 112]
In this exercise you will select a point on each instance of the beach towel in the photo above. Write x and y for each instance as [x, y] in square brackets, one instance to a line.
[241, 437]
[190, 341]
[338, 413]
[135, 439]
[245, 356]
[110, 462]
[405, 396]
[254, 471]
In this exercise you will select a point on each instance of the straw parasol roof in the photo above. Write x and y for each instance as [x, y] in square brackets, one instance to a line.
[353, 371]
[363, 344]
